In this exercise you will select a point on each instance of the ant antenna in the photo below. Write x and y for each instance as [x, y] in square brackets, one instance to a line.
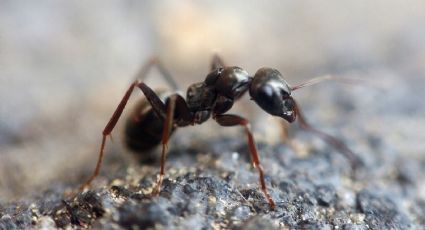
[317, 80]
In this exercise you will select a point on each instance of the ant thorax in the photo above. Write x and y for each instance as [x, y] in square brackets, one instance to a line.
[200, 97]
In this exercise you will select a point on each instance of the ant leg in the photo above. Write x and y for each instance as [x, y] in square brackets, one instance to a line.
[217, 62]
[168, 125]
[284, 133]
[338, 144]
[153, 99]
[286, 139]
[155, 62]
[233, 120]
[107, 131]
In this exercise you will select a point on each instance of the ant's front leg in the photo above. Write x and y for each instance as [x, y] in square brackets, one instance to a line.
[234, 120]
[286, 138]
[355, 161]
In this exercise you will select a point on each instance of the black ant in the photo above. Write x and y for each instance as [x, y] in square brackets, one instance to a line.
[155, 119]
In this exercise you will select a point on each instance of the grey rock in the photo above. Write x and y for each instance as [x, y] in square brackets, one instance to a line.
[381, 212]
[6, 222]
[325, 194]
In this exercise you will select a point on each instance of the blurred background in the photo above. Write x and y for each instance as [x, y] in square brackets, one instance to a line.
[64, 66]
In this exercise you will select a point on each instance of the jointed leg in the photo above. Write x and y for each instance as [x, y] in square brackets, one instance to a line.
[284, 134]
[286, 139]
[233, 120]
[154, 100]
[338, 144]
[155, 62]
[107, 131]
[168, 125]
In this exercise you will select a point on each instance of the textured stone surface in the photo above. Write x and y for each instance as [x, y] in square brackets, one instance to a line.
[64, 67]
[313, 192]
[210, 183]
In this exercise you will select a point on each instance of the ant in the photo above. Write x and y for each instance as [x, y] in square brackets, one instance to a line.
[158, 115]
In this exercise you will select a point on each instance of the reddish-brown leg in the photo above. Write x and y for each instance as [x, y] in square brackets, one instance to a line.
[233, 120]
[107, 131]
[153, 99]
[338, 144]
[286, 139]
[155, 62]
[168, 125]
[284, 134]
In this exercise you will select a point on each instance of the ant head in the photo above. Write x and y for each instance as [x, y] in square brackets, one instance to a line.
[273, 94]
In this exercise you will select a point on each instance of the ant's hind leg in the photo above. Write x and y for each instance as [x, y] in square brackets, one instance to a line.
[234, 120]
[155, 62]
[156, 104]
[107, 131]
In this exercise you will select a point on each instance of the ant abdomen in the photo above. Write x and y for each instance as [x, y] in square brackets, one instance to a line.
[143, 129]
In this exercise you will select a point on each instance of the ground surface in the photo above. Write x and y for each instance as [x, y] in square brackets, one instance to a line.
[210, 184]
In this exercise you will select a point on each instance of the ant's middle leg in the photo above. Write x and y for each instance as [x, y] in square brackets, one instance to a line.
[176, 105]
[234, 120]
[157, 105]
[168, 125]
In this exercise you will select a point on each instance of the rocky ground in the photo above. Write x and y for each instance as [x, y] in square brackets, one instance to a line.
[210, 183]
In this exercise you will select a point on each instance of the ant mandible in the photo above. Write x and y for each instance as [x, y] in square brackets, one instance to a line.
[155, 119]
